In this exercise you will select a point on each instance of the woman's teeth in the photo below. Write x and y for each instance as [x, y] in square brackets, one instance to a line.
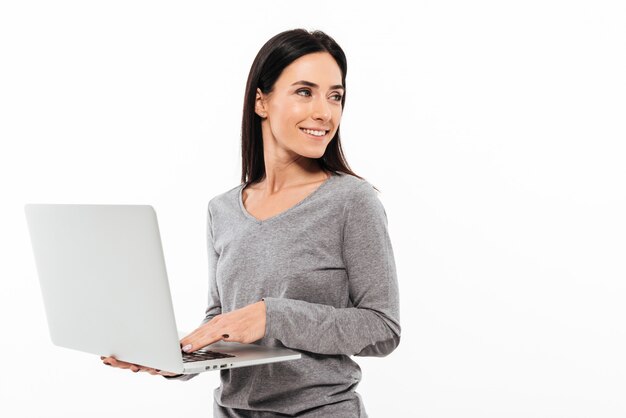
[312, 132]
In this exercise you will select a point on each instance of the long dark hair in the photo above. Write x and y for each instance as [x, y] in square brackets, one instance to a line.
[271, 60]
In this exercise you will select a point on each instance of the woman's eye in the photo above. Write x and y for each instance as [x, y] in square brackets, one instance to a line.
[307, 93]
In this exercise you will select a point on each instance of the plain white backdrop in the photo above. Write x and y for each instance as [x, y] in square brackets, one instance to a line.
[494, 130]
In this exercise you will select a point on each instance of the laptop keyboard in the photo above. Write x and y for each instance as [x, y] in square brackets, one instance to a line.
[201, 355]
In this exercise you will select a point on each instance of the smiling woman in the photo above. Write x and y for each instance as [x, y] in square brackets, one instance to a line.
[297, 82]
[299, 252]
[292, 109]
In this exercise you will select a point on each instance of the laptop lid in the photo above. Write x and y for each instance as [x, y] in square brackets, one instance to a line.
[104, 282]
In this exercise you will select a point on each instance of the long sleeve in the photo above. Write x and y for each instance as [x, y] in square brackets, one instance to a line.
[371, 326]
[214, 307]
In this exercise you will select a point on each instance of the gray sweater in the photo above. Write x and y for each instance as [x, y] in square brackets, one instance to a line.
[326, 270]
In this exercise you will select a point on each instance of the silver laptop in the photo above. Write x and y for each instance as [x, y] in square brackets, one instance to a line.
[105, 289]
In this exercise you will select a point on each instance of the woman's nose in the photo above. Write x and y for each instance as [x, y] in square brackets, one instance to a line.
[321, 109]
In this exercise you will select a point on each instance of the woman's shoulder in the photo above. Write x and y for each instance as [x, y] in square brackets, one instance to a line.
[361, 203]
[225, 199]
[354, 189]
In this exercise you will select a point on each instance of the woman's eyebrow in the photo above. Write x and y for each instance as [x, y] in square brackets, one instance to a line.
[309, 84]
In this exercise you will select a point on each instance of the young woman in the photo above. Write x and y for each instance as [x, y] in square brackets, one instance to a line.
[299, 252]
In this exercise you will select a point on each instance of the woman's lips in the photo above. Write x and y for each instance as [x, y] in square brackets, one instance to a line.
[311, 133]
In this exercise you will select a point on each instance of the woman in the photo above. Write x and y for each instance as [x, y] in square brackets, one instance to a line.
[299, 253]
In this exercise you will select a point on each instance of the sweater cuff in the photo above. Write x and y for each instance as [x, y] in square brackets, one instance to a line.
[272, 322]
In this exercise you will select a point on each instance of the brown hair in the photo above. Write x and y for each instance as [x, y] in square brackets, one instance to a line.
[277, 53]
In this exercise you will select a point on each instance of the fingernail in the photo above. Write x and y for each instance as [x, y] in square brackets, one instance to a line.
[187, 348]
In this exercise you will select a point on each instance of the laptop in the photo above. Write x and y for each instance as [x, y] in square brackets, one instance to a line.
[105, 290]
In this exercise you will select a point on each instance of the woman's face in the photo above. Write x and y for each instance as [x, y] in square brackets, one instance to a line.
[302, 113]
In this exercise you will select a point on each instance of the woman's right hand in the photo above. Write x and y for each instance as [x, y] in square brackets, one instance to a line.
[113, 362]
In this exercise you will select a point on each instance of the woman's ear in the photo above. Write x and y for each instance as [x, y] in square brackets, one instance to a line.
[259, 104]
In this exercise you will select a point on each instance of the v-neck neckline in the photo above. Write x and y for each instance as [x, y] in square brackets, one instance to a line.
[286, 211]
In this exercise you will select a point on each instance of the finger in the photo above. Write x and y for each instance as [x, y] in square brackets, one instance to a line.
[146, 369]
[111, 361]
[201, 330]
[107, 360]
[191, 342]
[169, 374]
[119, 363]
[201, 342]
[193, 336]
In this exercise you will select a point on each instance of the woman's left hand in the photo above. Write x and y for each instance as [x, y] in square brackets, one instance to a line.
[113, 362]
[245, 325]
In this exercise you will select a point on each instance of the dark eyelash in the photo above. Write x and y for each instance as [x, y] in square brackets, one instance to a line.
[339, 96]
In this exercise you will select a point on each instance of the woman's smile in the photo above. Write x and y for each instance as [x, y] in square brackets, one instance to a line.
[308, 96]
[315, 134]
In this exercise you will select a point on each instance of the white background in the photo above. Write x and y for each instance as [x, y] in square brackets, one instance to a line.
[494, 130]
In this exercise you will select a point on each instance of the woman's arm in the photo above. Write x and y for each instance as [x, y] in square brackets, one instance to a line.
[214, 307]
[372, 326]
